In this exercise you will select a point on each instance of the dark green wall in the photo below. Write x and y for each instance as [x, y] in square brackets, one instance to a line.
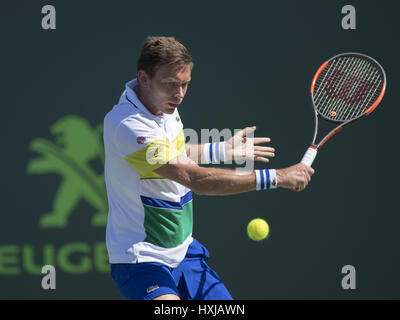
[254, 65]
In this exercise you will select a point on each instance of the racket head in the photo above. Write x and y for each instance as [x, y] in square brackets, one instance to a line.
[347, 87]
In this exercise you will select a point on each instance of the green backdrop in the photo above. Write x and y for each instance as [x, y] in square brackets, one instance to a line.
[254, 65]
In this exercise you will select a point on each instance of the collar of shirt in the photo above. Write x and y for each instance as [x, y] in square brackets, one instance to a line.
[132, 97]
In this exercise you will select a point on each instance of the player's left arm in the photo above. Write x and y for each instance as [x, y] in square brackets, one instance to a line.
[193, 151]
[241, 146]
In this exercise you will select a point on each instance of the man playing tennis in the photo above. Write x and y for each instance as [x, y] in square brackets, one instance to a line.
[150, 174]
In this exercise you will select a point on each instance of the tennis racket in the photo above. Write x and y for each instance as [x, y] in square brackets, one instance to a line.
[346, 88]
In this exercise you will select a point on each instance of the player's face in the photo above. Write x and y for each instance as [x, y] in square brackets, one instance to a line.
[168, 87]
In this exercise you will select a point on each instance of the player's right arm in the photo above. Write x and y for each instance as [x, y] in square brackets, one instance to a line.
[216, 181]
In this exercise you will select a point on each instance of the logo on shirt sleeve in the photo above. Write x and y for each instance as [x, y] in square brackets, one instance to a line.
[140, 140]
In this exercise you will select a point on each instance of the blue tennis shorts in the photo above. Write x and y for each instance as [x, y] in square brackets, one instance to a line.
[193, 279]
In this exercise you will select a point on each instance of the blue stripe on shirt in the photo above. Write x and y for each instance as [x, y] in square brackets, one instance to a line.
[164, 204]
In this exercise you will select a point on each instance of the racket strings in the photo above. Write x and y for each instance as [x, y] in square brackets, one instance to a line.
[348, 113]
[329, 107]
[322, 81]
[375, 94]
[326, 106]
[372, 78]
[329, 103]
[347, 87]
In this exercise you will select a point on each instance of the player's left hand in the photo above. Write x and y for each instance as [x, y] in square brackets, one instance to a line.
[243, 145]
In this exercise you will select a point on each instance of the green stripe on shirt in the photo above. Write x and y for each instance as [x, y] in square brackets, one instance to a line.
[168, 228]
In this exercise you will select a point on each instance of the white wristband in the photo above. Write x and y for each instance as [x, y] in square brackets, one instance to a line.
[266, 179]
[214, 152]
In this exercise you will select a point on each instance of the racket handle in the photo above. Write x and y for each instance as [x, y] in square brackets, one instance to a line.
[309, 156]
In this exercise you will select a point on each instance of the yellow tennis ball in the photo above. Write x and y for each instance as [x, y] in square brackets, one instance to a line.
[257, 229]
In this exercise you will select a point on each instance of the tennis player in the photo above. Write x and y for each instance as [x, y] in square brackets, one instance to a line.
[151, 173]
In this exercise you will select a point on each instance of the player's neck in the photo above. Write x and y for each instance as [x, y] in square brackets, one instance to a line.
[146, 102]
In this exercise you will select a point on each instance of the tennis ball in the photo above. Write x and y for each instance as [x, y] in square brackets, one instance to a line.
[257, 229]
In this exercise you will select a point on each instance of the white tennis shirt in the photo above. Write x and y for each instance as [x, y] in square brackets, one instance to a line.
[150, 218]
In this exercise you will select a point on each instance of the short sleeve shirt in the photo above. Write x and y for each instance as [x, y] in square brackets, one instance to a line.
[150, 218]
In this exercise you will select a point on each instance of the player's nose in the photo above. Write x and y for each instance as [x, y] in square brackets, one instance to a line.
[180, 93]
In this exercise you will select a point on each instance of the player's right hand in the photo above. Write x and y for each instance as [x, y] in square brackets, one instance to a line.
[295, 177]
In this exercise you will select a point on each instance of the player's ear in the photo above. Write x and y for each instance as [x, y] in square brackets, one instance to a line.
[143, 79]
